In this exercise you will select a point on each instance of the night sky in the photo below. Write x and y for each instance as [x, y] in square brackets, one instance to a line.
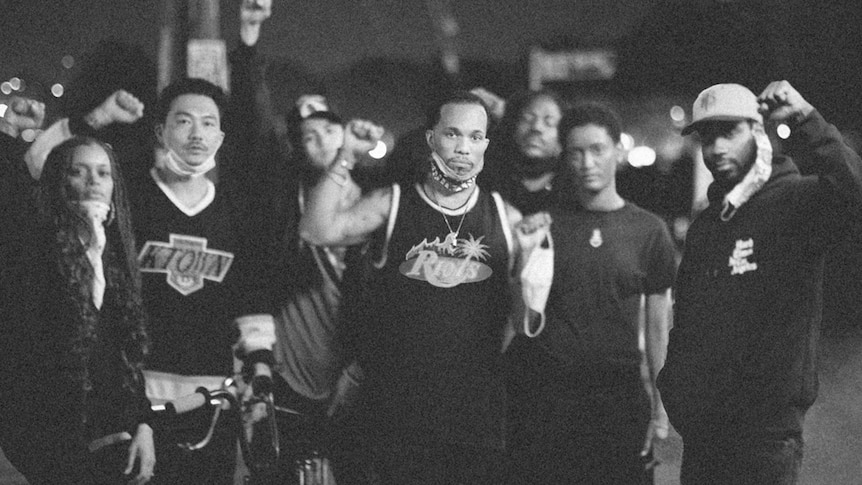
[676, 46]
[322, 35]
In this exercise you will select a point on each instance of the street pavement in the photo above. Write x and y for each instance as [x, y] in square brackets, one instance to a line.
[833, 427]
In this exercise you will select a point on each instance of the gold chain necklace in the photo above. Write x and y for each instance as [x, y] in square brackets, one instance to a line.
[453, 235]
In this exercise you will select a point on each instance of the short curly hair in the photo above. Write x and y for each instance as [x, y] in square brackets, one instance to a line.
[591, 113]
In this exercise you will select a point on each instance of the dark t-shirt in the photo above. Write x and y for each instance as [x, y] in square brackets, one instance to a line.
[603, 263]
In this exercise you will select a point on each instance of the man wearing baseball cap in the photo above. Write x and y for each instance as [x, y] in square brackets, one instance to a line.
[740, 371]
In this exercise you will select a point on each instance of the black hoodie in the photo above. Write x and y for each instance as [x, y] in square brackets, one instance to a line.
[748, 294]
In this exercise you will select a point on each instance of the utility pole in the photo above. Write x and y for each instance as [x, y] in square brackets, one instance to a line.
[190, 43]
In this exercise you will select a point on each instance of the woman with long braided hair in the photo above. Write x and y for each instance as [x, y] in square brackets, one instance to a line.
[74, 322]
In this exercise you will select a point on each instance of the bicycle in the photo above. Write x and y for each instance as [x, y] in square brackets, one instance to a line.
[261, 443]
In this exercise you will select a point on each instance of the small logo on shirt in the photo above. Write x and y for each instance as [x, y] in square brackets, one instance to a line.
[738, 261]
[448, 263]
[186, 261]
[596, 239]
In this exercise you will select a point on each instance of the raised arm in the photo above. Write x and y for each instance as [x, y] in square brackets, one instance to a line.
[120, 107]
[22, 114]
[18, 190]
[330, 220]
[833, 160]
[252, 15]
[334, 214]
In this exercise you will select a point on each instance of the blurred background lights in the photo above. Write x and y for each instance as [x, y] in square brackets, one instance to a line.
[6, 87]
[67, 61]
[15, 83]
[379, 151]
[641, 156]
[783, 131]
[627, 141]
[57, 90]
[677, 114]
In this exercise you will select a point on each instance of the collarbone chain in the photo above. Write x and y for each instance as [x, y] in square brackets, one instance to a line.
[453, 235]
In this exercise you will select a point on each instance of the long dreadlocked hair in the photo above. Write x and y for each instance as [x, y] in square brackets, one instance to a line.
[121, 273]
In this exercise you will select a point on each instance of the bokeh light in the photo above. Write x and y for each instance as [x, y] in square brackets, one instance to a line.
[57, 90]
[67, 61]
[627, 141]
[379, 150]
[641, 156]
[783, 131]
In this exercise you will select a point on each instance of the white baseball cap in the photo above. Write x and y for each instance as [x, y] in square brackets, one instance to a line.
[723, 102]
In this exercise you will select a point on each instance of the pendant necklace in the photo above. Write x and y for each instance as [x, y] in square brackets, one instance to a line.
[453, 235]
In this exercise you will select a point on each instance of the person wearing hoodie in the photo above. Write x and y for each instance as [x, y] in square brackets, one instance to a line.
[740, 371]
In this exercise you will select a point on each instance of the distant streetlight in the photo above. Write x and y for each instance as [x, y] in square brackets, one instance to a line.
[641, 156]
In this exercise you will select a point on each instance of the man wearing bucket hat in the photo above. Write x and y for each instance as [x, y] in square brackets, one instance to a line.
[740, 371]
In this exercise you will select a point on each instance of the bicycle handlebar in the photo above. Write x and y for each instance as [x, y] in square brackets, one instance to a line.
[196, 400]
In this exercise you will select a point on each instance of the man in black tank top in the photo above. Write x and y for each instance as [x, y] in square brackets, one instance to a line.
[436, 299]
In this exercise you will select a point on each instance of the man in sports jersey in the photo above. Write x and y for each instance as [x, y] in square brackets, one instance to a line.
[204, 271]
[437, 301]
[205, 264]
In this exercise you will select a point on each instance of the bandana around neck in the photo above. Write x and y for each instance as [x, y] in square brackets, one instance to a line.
[169, 160]
[753, 180]
[534, 167]
[446, 177]
[95, 213]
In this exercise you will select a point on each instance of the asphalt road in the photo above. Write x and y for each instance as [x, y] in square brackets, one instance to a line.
[833, 427]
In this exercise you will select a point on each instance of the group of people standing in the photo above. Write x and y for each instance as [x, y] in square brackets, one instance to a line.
[468, 325]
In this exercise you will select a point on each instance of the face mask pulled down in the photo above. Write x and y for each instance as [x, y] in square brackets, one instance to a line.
[753, 181]
[167, 159]
[448, 177]
[94, 213]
